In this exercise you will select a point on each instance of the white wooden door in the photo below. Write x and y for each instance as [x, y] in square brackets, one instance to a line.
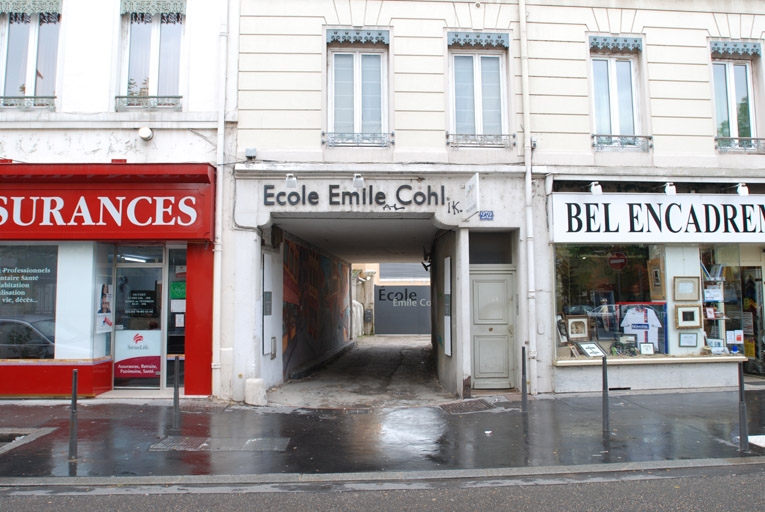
[492, 330]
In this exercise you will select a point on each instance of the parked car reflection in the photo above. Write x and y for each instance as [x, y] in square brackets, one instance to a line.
[606, 317]
[27, 337]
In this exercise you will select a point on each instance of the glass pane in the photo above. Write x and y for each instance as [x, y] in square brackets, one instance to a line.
[343, 99]
[741, 79]
[464, 96]
[371, 94]
[18, 48]
[140, 53]
[139, 254]
[624, 89]
[176, 315]
[491, 96]
[170, 33]
[491, 248]
[721, 100]
[602, 97]
[47, 52]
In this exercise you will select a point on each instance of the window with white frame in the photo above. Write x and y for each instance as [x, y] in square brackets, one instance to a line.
[153, 53]
[29, 38]
[735, 126]
[616, 106]
[479, 90]
[357, 99]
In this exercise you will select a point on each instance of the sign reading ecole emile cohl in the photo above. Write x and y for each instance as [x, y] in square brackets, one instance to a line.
[657, 218]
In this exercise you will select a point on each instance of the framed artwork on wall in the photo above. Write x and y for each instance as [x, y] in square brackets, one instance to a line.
[687, 288]
[578, 327]
[688, 317]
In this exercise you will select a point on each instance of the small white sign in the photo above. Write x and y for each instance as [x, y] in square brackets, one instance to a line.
[472, 198]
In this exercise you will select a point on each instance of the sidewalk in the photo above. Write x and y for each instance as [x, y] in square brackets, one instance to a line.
[130, 438]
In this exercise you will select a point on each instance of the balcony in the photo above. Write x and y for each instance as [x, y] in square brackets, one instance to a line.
[464, 140]
[622, 142]
[740, 145]
[131, 103]
[366, 140]
[28, 102]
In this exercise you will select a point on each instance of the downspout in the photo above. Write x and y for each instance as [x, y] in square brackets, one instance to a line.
[217, 244]
[529, 199]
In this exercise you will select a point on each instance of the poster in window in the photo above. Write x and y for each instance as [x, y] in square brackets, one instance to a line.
[104, 314]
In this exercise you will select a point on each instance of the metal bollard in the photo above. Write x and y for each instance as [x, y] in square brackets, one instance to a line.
[524, 398]
[73, 419]
[176, 430]
[743, 425]
[606, 426]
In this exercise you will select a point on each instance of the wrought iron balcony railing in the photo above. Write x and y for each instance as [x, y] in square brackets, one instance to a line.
[622, 142]
[740, 145]
[464, 140]
[123, 103]
[28, 102]
[372, 140]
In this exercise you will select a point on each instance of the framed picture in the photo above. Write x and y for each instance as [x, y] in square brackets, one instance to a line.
[655, 279]
[710, 313]
[578, 327]
[591, 349]
[646, 349]
[688, 317]
[689, 339]
[687, 288]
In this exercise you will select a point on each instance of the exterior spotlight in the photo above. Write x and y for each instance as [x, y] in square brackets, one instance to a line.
[742, 189]
[358, 181]
[670, 189]
[146, 133]
[290, 181]
[595, 188]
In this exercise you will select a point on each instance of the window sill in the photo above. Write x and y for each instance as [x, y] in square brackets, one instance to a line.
[655, 359]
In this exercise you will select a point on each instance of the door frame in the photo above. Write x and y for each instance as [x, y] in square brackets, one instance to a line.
[512, 315]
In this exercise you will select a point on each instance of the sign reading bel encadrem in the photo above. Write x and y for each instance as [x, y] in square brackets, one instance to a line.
[657, 218]
[402, 309]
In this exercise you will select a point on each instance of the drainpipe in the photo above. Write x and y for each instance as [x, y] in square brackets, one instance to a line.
[529, 198]
[217, 244]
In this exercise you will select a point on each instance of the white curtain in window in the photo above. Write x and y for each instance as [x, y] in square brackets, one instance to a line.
[140, 55]
[171, 30]
[343, 97]
[18, 50]
[741, 79]
[371, 93]
[47, 54]
[464, 95]
[491, 96]
[721, 100]
[602, 97]
[624, 91]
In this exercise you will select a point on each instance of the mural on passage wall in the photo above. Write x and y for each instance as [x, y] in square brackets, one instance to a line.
[316, 306]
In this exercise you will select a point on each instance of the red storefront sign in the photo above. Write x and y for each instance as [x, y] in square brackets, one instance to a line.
[106, 202]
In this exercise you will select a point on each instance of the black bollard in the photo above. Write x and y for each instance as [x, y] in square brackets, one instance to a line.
[524, 398]
[176, 430]
[606, 427]
[73, 419]
[743, 425]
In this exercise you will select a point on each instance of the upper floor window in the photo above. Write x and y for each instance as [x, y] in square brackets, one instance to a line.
[479, 89]
[29, 38]
[734, 96]
[153, 64]
[615, 92]
[357, 88]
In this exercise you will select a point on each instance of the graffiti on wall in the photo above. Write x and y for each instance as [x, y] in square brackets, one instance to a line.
[316, 319]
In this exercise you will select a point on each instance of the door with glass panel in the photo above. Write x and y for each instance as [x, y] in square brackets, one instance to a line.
[138, 328]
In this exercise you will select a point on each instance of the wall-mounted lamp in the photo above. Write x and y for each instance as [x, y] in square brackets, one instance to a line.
[742, 189]
[145, 133]
[290, 181]
[358, 181]
[595, 188]
[670, 189]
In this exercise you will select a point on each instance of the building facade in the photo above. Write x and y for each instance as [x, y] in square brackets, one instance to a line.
[571, 173]
[114, 124]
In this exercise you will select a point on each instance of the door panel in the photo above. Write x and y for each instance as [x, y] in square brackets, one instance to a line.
[492, 330]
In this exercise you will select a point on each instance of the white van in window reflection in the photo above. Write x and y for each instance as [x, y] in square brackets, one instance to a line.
[27, 337]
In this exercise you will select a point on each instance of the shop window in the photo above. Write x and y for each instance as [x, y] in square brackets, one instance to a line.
[479, 90]
[357, 99]
[727, 323]
[615, 97]
[610, 300]
[734, 96]
[153, 55]
[27, 301]
[29, 44]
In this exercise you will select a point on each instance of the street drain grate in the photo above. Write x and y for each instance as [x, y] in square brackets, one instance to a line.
[467, 406]
[230, 444]
[11, 438]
